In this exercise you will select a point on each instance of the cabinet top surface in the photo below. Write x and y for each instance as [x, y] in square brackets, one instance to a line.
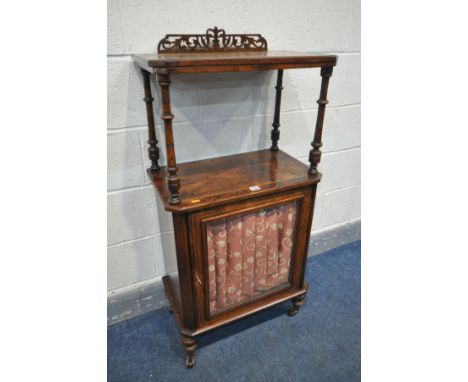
[215, 181]
[229, 60]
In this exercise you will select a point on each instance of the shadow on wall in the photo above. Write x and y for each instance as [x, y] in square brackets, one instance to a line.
[226, 119]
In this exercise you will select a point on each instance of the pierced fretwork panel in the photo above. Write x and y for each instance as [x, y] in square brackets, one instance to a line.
[214, 40]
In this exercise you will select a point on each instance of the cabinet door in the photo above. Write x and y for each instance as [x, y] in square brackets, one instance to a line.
[249, 250]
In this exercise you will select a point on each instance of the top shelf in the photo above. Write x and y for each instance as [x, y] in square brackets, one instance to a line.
[194, 62]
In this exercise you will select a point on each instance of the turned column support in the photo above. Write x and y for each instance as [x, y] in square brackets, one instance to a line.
[315, 154]
[173, 181]
[153, 149]
[275, 133]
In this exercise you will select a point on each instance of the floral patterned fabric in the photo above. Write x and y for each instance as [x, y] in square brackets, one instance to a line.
[249, 254]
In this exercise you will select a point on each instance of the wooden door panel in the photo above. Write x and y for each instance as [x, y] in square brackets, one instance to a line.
[215, 236]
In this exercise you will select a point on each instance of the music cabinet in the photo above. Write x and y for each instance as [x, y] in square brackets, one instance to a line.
[241, 222]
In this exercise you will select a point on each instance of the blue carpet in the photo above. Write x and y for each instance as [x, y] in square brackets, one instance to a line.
[320, 343]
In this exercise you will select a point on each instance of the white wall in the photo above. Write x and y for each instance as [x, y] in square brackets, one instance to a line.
[220, 114]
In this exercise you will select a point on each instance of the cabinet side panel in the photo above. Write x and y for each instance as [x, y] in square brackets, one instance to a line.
[172, 276]
[306, 225]
[184, 269]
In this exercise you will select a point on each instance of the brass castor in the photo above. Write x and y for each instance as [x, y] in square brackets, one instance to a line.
[190, 360]
[170, 310]
[293, 311]
[297, 303]
[189, 344]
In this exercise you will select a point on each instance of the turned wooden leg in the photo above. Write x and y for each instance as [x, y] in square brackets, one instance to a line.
[190, 345]
[275, 133]
[153, 149]
[297, 303]
[315, 154]
[173, 181]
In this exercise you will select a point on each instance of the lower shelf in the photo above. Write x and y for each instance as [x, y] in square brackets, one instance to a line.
[211, 182]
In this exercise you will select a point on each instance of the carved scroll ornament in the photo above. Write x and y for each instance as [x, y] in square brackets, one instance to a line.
[214, 40]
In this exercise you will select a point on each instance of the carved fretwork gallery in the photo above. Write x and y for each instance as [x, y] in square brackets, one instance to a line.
[214, 40]
[241, 222]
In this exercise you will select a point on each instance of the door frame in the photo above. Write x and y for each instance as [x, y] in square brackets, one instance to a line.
[198, 242]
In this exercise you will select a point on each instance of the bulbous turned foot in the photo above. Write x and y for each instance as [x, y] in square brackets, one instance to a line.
[170, 310]
[297, 303]
[189, 344]
[190, 360]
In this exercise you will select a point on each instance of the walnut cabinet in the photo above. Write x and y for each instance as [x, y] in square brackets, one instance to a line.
[241, 222]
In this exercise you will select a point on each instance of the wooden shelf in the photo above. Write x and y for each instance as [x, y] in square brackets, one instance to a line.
[215, 181]
[231, 61]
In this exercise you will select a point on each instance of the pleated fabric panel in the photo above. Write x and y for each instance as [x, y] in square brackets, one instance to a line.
[249, 254]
